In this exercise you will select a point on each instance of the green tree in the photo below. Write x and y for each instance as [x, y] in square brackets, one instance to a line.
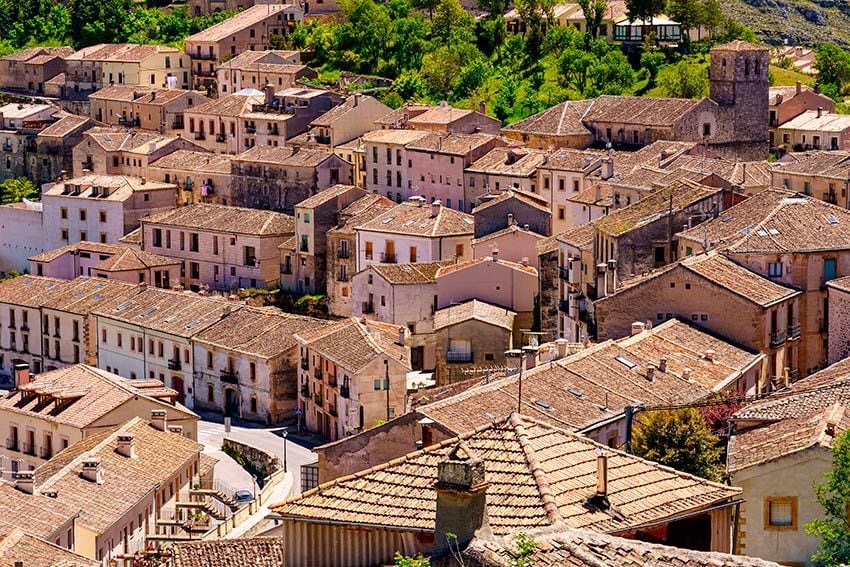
[711, 15]
[687, 12]
[833, 65]
[685, 80]
[594, 13]
[574, 67]
[679, 439]
[96, 21]
[612, 74]
[472, 77]
[833, 495]
[536, 14]
[652, 60]
[406, 561]
[440, 69]
[493, 7]
[505, 97]
[410, 85]
[15, 190]
[644, 10]
[452, 23]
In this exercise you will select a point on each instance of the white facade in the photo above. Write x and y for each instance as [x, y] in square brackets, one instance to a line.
[407, 249]
[21, 235]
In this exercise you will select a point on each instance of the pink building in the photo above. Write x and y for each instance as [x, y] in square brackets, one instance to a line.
[220, 247]
[497, 282]
[437, 161]
[514, 243]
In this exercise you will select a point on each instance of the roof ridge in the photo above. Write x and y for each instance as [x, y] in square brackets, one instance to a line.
[537, 472]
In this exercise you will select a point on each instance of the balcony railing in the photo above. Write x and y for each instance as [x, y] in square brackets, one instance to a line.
[368, 307]
[250, 129]
[203, 73]
[12, 445]
[124, 121]
[777, 338]
[46, 453]
[28, 449]
[305, 391]
[177, 125]
[318, 374]
[326, 140]
[459, 357]
[200, 136]
[274, 131]
[344, 391]
[221, 138]
[387, 257]
[794, 331]
[229, 376]
[318, 400]
[174, 364]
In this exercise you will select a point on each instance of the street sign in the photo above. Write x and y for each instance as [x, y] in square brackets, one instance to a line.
[299, 412]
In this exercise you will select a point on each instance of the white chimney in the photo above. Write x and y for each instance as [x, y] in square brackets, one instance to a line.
[710, 354]
[638, 327]
[92, 470]
[562, 347]
[24, 481]
[686, 373]
[158, 419]
[126, 445]
[510, 219]
[402, 335]
[435, 207]
[607, 168]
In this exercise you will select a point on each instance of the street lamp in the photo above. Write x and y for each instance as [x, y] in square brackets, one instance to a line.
[285, 434]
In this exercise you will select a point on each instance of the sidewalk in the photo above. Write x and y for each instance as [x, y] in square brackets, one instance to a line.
[279, 494]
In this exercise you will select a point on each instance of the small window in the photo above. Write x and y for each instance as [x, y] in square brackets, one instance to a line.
[774, 269]
[780, 513]
[706, 129]
[377, 384]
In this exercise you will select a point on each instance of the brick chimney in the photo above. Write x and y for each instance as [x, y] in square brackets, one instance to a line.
[22, 374]
[92, 470]
[799, 87]
[126, 445]
[662, 364]
[268, 91]
[638, 327]
[820, 111]
[25, 481]
[461, 500]
[158, 419]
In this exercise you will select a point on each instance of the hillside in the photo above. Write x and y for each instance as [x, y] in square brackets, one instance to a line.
[807, 22]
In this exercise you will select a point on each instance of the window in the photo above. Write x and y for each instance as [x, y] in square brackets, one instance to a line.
[63, 212]
[706, 129]
[157, 237]
[369, 252]
[65, 235]
[210, 393]
[459, 250]
[103, 336]
[209, 359]
[102, 216]
[252, 371]
[194, 244]
[780, 513]
[774, 269]
[194, 270]
[253, 404]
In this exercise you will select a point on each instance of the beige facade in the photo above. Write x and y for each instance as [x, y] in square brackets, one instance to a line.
[151, 109]
[256, 69]
[149, 66]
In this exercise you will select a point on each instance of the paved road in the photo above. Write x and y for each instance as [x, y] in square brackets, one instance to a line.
[211, 432]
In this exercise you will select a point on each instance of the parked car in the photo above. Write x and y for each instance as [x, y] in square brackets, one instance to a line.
[243, 496]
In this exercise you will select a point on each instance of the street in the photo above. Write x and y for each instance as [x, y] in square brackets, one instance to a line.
[211, 432]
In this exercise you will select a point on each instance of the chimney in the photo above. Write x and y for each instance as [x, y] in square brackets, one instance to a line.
[435, 208]
[686, 373]
[817, 88]
[833, 418]
[562, 348]
[526, 228]
[510, 219]
[158, 419]
[607, 168]
[226, 310]
[662, 364]
[153, 96]
[402, 335]
[356, 99]
[482, 108]
[820, 111]
[126, 445]
[143, 286]
[92, 470]
[461, 501]
[22, 374]
[799, 87]
[709, 354]
[268, 91]
[24, 481]
[638, 327]
[650, 373]
[494, 253]
[524, 261]
[600, 499]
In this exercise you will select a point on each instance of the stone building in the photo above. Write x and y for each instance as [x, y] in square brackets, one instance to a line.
[278, 178]
[246, 365]
[201, 176]
[304, 258]
[789, 102]
[343, 123]
[19, 126]
[256, 69]
[570, 285]
[502, 169]
[704, 289]
[342, 250]
[55, 147]
[27, 70]
[822, 175]
[793, 240]
[471, 335]
[504, 209]
[513, 243]
[733, 120]
[838, 319]
[145, 108]
[815, 130]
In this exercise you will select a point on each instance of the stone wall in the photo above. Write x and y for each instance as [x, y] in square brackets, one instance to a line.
[254, 460]
[839, 324]
[547, 282]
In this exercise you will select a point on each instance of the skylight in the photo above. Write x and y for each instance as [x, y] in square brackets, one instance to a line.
[542, 404]
[625, 362]
[576, 393]
[124, 306]
[831, 219]
[148, 311]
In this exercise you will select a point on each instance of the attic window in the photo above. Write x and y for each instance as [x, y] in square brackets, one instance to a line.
[542, 404]
[148, 311]
[576, 393]
[772, 231]
[625, 362]
[123, 306]
[193, 324]
[727, 218]
[761, 233]
[831, 219]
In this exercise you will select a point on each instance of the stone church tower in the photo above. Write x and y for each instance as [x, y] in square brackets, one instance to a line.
[739, 86]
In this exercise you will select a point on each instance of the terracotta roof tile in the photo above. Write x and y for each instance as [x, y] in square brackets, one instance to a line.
[538, 475]
[220, 218]
[414, 273]
[419, 220]
[361, 212]
[64, 126]
[242, 20]
[563, 119]
[84, 294]
[256, 552]
[457, 144]
[474, 310]
[82, 246]
[531, 199]
[353, 343]
[327, 195]
[519, 162]
[28, 291]
[20, 548]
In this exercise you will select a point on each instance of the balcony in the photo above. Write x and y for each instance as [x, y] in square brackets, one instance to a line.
[326, 140]
[177, 125]
[793, 331]
[31, 147]
[28, 449]
[777, 338]
[12, 445]
[200, 135]
[46, 453]
[368, 307]
[388, 258]
[459, 357]
[229, 376]
[203, 56]
[221, 138]
[344, 391]
[251, 262]
[305, 364]
[274, 131]
[318, 400]
[129, 122]
[564, 273]
[250, 129]
[332, 380]
[7, 147]
[88, 165]
[203, 73]
[332, 411]
[174, 364]
[305, 391]
[318, 373]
